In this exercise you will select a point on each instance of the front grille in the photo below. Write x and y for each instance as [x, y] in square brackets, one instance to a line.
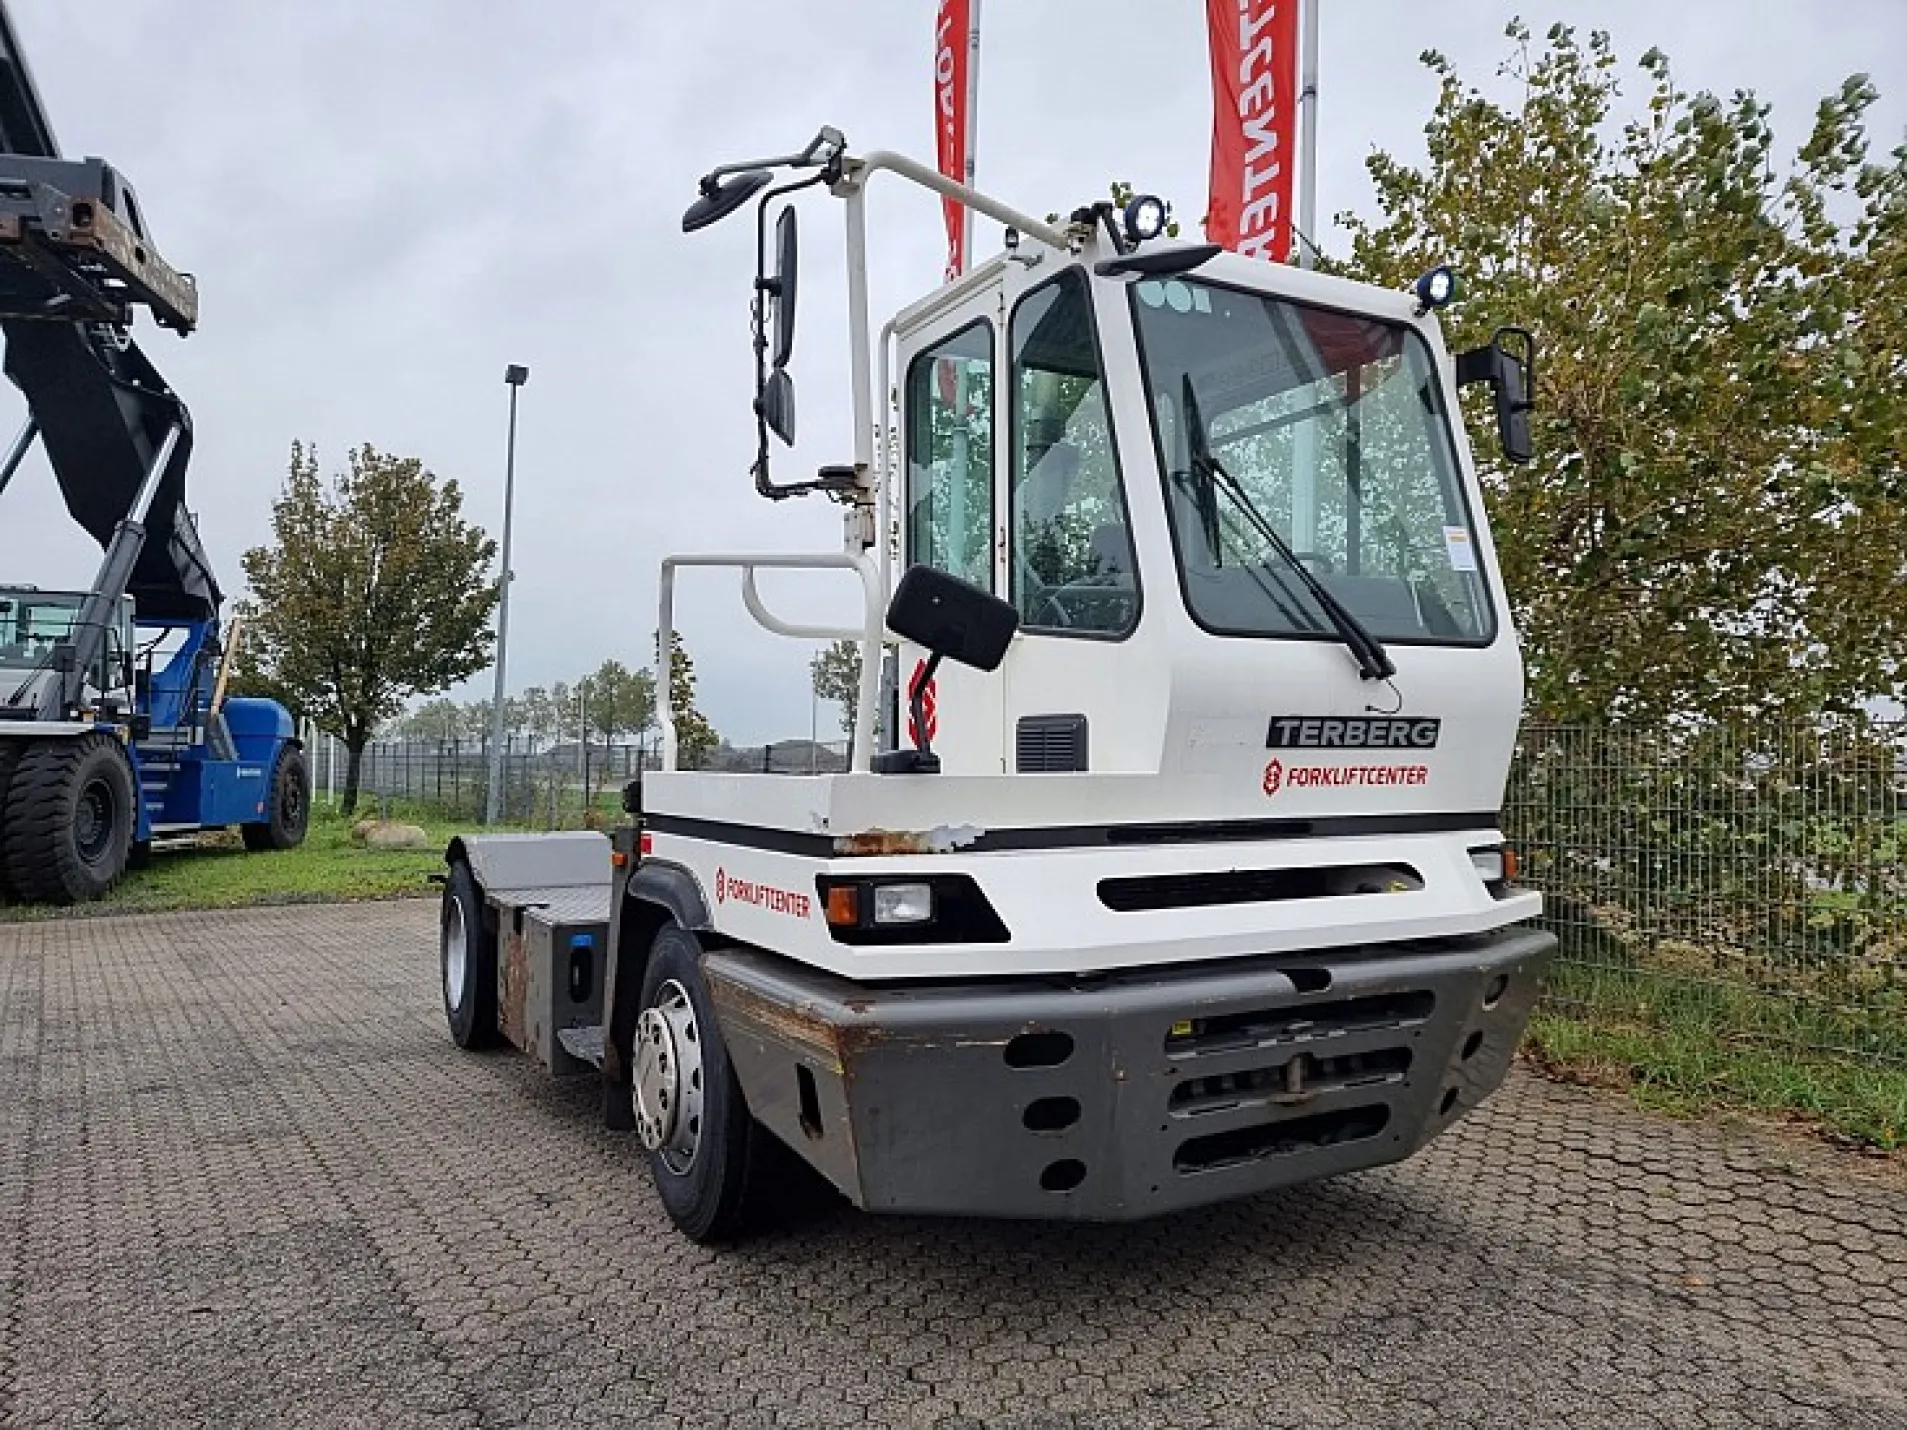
[1288, 1083]
[1300, 1023]
[1242, 1145]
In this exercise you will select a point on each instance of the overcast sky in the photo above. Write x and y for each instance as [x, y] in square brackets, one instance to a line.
[386, 201]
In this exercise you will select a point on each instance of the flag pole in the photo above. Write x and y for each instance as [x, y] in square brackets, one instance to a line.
[1308, 136]
[973, 124]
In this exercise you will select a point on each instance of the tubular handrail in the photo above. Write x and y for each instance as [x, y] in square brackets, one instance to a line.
[870, 633]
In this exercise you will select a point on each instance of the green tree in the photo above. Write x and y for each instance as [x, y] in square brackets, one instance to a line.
[619, 702]
[1717, 511]
[695, 737]
[374, 589]
[539, 716]
[438, 719]
[836, 671]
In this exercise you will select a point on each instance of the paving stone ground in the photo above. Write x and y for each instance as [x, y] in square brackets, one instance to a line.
[245, 1180]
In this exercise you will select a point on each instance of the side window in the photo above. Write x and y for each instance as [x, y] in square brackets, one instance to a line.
[950, 456]
[1073, 568]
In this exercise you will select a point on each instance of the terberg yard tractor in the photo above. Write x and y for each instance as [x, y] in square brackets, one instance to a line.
[115, 724]
[1187, 880]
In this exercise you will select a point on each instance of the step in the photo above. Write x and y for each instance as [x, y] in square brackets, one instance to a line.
[583, 1044]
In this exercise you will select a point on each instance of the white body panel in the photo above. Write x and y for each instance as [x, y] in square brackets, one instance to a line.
[44, 729]
[1047, 897]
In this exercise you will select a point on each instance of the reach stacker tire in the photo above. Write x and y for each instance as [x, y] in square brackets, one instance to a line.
[288, 804]
[69, 819]
[10, 751]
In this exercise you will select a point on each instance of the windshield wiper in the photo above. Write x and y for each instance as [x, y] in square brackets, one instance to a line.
[1373, 661]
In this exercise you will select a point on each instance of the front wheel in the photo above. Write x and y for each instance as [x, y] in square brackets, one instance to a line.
[287, 804]
[708, 1156]
[70, 819]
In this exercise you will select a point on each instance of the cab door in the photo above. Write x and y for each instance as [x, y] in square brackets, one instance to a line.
[1086, 682]
[949, 510]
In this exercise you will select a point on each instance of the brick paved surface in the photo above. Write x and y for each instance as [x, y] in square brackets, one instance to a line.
[246, 1180]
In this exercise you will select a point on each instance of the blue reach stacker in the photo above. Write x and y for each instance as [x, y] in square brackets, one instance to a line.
[116, 725]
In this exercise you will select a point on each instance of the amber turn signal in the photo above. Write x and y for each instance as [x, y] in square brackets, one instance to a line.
[844, 906]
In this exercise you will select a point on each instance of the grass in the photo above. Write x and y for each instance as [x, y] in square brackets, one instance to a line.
[216, 871]
[1687, 1047]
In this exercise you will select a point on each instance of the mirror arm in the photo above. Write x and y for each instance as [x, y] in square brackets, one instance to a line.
[825, 150]
[929, 762]
[763, 283]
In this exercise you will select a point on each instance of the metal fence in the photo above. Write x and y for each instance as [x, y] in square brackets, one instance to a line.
[1748, 879]
[559, 787]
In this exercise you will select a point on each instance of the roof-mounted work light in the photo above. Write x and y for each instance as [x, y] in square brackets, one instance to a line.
[1436, 288]
[1145, 218]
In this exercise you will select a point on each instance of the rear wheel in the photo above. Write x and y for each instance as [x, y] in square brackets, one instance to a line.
[9, 757]
[468, 952]
[69, 819]
[288, 805]
[712, 1162]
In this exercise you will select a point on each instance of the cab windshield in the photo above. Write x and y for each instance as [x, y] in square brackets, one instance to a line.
[31, 624]
[1329, 430]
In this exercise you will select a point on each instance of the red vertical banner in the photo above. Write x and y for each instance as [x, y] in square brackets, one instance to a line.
[953, 134]
[1254, 46]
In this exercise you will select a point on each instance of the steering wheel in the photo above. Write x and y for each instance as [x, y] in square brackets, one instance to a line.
[1070, 605]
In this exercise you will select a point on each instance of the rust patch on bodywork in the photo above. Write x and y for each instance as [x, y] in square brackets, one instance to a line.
[796, 1027]
[516, 988]
[870, 843]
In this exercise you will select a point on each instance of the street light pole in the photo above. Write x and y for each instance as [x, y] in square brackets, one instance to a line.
[514, 376]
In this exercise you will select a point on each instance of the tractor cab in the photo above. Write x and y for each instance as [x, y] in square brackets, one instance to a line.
[1220, 494]
[1228, 504]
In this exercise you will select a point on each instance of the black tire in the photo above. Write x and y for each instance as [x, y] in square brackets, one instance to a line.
[718, 1194]
[9, 757]
[469, 967]
[70, 819]
[288, 807]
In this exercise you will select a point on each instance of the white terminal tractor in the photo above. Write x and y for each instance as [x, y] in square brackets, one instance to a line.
[1168, 866]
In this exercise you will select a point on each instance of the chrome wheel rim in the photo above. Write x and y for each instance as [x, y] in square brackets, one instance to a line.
[668, 1078]
[456, 952]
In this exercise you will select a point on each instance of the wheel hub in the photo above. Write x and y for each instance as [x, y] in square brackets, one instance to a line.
[93, 821]
[668, 1078]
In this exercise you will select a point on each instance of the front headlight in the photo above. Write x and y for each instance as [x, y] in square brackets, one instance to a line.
[1495, 865]
[903, 903]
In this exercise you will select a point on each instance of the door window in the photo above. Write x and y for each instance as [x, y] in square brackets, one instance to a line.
[1073, 570]
[950, 456]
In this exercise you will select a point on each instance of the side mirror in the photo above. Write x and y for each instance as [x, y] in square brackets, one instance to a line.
[721, 197]
[776, 405]
[1512, 379]
[783, 291]
[955, 621]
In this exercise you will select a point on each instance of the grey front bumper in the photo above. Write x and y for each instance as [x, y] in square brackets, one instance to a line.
[1128, 1095]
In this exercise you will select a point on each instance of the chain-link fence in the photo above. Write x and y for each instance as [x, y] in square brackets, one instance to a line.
[1749, 880]
[559, 787]
[1754, 881]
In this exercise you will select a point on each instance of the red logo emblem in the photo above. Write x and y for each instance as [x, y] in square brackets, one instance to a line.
[926, 704]
[1274, 777]
[721, 885]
